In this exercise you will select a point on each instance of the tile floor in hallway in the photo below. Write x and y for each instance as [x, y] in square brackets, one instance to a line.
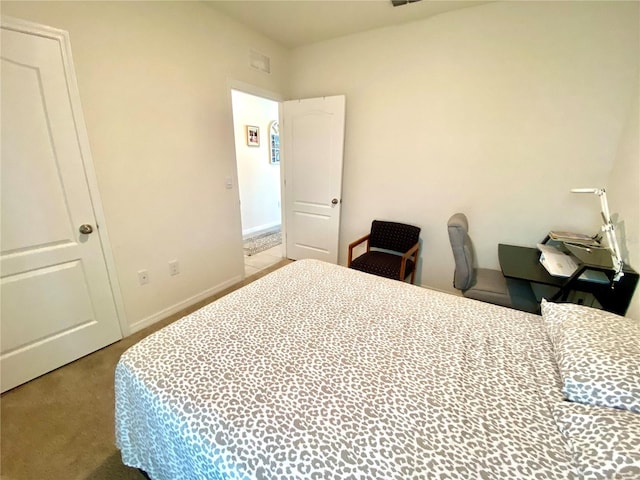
[262, 260]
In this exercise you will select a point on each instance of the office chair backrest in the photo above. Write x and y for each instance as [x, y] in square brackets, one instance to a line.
[458, 228]
[398, 237]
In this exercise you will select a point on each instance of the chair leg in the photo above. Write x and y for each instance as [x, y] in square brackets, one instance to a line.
[415, 267]
[403, 266]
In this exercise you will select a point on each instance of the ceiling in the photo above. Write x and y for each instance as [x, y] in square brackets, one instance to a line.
[296, 23]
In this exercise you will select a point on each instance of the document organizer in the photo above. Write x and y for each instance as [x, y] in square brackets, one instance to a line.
[560, 264]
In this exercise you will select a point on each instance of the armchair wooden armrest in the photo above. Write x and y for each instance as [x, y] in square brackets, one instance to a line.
[412, 251]
[354, 244]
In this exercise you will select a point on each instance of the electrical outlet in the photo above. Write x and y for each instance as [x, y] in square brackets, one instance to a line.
[143, 277]
[174, 267]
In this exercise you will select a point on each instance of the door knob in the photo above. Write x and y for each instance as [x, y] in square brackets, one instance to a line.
[334, 201]
[86, 229]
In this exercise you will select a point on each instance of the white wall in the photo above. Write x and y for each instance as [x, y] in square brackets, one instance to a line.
[496, 111]
[258, 179]
[154, 85]
[623, 193]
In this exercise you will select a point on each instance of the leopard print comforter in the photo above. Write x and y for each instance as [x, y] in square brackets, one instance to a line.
[320, 372]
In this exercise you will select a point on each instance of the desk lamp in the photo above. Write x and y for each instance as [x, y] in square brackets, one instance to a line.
[608, 228]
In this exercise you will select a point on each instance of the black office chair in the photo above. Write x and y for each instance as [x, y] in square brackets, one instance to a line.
[484, 284]
[392, 251]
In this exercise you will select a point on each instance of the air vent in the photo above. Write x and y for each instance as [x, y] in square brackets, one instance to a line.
[397, 3]
[259, 61]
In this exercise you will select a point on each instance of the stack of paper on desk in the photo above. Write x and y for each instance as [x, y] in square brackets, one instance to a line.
[572, 237]
[557, 263]
[560, 264]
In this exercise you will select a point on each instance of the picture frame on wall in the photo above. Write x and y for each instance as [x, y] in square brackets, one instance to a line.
[253, 136]
[274, 136]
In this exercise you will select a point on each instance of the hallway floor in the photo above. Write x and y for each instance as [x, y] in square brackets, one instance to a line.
[262, 260]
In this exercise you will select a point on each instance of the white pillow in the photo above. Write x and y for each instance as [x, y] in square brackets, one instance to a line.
[598, 354]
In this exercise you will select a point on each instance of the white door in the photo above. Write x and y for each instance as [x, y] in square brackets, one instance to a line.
[313, 144]
[57, 302]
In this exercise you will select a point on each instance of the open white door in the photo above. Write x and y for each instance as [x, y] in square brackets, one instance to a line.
[313, 145]
[57, 301]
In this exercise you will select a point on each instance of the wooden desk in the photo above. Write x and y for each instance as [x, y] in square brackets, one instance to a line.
[524, 263]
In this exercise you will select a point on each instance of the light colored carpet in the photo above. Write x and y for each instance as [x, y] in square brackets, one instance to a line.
[61, 426]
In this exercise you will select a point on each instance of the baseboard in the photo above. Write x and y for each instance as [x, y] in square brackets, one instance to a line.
[450, 292]
[162, 314]
[259, 228]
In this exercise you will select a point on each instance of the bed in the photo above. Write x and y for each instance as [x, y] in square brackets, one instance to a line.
[317, 371]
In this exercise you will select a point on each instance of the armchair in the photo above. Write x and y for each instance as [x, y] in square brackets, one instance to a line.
[392, 251]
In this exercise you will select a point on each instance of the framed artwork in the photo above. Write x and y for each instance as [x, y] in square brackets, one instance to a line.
[274, 138]
[253, 136]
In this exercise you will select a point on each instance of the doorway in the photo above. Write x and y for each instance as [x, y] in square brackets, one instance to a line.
[256, 131]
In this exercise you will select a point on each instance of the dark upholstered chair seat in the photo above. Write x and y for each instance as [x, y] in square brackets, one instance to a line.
[392, 250]
[382, 264]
